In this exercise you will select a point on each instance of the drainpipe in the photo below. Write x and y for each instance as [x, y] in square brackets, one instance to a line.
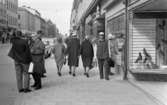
[126, 60]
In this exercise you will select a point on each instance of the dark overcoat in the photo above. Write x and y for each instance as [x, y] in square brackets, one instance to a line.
[87, 53]
[37, 51]
[73, 51]
[20, 50]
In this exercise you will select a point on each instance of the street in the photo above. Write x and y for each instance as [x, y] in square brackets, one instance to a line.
[68, 90]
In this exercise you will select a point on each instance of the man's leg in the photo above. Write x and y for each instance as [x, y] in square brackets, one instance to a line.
[26, 76]
[19, 76]
[73, 70]
[39, 84]
[100, 64]
[70, 70]
[107, 69]
[35, 79]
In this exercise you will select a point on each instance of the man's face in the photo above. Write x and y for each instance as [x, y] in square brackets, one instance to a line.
[101, 37]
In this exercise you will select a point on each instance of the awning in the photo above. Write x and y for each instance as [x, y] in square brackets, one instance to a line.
[156, 6]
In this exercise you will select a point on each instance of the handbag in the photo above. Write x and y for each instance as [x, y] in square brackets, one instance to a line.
[31, 67]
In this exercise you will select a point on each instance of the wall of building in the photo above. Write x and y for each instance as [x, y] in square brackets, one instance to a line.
[3, 20]
[79, 9]
[12, 17]
[37, 23]
[26, 20]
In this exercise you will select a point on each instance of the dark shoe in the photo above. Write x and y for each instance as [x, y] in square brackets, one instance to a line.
[27, 90]
[21, 90]
[84, 73]
[111, 73]
[87, 75]
[43, 76]
[59, 74]
[37, 88]
[70, 72]
[101, 78]
[73, 75]
[33, 86]
[107, 79]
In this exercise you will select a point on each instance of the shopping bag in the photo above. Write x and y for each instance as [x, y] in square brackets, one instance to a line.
[94, 63]
[31, 67]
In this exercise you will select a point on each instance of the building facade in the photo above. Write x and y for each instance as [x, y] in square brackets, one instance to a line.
[11, 14]
[146, 25]
[26, 21]
[3, 21]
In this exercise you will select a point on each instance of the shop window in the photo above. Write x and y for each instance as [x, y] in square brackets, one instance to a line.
[116, 25]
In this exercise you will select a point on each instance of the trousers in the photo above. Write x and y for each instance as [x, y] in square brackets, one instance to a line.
[37, 79]
[22, 76]
[103, 72]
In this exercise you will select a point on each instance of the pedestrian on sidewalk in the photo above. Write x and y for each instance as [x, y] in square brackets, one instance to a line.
[120, 41]
[102, 54]
[4, 37]
[59, 54]
[21, 55]
[111, 60]
[37, 52]
[73, 52]
[67, 43]
[87, 55]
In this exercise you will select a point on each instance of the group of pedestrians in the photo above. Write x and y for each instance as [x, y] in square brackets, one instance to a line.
[108, 53]
[105, 52]
[23, 52]
[5, 36]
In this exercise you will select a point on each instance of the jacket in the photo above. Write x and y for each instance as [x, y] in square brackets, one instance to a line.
[87, 49]
[20, 51]
[102, 50]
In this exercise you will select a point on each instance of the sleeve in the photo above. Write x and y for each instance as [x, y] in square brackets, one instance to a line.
[116, 47]
[81, 49]
[28, 51]
[106, 50]
[92, 50]
[95, 51]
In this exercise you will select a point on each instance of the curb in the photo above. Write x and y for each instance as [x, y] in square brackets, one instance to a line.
[153, 98]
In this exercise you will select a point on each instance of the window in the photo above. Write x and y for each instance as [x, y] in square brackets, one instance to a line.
[116, 25]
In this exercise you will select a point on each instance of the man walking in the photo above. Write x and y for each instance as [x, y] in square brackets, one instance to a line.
[73, 51]
[87, 55]
[20, 53]
[102, 54]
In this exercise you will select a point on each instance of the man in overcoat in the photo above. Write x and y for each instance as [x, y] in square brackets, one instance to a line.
[87, 55]
[73, 52]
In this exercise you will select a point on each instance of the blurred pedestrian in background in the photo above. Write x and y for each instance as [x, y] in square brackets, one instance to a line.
[59, 54]
[110, 61]
[37, 51]
[20, 53]
[73, 52]
[120, 41]
[102, 54]
[4, 37]
[87, 55]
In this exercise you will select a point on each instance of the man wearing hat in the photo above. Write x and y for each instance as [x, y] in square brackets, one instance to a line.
[112, 49]
[87, 55]
[73, 52]
[102, 54]
[37, 51]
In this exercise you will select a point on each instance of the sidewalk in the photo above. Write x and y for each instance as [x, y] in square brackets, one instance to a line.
[79, 90]
[157, 90]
